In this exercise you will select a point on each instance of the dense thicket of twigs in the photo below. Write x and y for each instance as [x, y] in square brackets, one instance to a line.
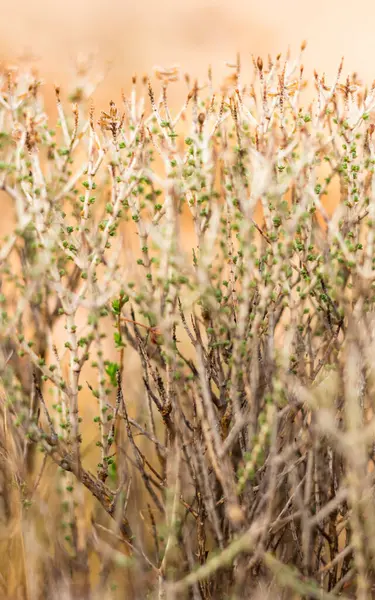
[243, 466]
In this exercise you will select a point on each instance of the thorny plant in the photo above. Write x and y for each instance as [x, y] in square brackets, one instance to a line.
[255, 405]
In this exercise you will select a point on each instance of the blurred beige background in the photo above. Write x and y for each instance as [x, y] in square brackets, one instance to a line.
[136, 35]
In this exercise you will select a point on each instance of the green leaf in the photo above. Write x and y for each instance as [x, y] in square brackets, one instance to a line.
[111, 370]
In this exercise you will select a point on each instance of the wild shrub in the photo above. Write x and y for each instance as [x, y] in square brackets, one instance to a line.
[229, 374]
